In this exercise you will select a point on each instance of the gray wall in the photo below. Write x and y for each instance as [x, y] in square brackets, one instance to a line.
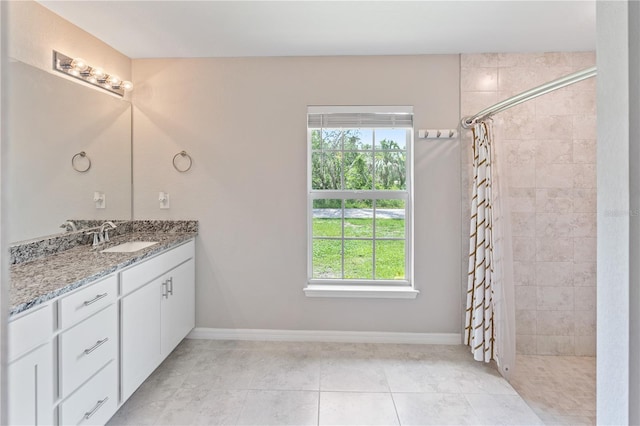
[244, 123]
[618, 213]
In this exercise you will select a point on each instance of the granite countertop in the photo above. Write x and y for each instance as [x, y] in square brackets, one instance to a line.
[44, 279]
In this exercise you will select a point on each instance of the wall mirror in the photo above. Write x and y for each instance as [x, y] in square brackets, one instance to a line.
[50, 120]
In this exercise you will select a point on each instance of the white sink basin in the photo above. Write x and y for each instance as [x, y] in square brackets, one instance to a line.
[129, 247]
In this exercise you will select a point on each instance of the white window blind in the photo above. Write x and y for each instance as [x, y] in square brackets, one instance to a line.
[367, 117]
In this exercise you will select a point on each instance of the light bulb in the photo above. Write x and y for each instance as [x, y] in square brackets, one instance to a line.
[91, 79]
[127, 86]
[98, 73]
[114, 80]
[74, 72]
[79, 64]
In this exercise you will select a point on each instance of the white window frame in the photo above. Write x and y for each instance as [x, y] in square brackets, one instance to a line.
[362, 287]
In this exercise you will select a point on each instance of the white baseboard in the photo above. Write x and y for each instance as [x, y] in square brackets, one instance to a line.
[325, 336]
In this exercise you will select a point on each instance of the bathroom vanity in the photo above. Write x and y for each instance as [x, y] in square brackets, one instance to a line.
[87, 327]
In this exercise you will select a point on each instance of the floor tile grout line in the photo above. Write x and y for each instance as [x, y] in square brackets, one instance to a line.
[395, 407]
[319, 402]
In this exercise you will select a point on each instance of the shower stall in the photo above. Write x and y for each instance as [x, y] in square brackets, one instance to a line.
[548, 157]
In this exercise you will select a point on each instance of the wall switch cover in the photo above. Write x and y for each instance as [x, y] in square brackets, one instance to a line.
[100, 199]
[163, 197]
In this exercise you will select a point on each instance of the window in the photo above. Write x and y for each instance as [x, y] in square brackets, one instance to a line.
[359, 181]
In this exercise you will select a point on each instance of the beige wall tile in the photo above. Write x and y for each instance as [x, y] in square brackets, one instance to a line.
[549, 249]
[585, 322]
[526, 298]
[524, 273]
[588, 85]
[584, 200]
[518, 127]
[583, 102]
[518, 79]
[554, 298]
[523, 224]
[521, 175]
[584, 274]
[554, 175]
[519, 151]
[582, 60]
[555, 345]
[554, 151]
[526, 344]
[554, 274]
[555, 323]
[584, 225]
[585, 298]
[553, 72]
[525, 108]
[559, 102]
[586, 345]
[554, 224]
[584, 249]
[522, 199]
[516, 59]
[555, 127]
[526, 321]
[524, 249]
[584, 175]
[584, 127]
[554, 200]
[479, 79]
[474, 102]
[479, 60]
[584, 151]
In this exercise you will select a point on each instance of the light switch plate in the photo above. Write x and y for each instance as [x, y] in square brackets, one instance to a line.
[100, 199]
[163, 197]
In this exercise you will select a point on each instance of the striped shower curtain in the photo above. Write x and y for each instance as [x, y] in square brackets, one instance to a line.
[479, 331]
[490, 314]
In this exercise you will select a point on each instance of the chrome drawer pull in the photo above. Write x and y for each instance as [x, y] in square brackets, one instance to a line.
[170, 289]
[100, 403]
[96, 346]
[95, 299]
[165, 294]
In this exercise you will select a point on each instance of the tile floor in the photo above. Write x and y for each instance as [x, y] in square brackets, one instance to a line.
[559, 389]
[281, 383]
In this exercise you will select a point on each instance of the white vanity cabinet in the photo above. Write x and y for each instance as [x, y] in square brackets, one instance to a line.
[87, 351]
[74, 360]
[157, 311]
[30, 369]
[177, 309]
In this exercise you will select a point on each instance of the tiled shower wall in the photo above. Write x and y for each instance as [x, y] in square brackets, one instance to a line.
[550, 146]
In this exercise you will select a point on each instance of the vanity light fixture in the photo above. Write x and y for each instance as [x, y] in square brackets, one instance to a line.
[78, 68]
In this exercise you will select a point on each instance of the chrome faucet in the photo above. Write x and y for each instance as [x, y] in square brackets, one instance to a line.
[69, 224]
[103, 235]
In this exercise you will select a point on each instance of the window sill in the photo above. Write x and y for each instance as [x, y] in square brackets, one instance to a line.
[369, 291]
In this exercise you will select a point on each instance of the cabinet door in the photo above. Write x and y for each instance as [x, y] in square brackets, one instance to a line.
[140, 336]
[178, 308]
[31, 388]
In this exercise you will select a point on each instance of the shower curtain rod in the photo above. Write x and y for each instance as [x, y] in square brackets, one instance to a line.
[561, 82]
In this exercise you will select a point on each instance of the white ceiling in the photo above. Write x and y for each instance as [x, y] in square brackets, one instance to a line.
[152, 29]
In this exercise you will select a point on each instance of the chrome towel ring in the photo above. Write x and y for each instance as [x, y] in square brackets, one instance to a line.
[184, 155]
[84, 155]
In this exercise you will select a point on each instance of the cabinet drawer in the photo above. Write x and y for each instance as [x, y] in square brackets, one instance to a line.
[30, 330]
[86, 348]
[145, 272]
[88, 301]
[95, 402]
